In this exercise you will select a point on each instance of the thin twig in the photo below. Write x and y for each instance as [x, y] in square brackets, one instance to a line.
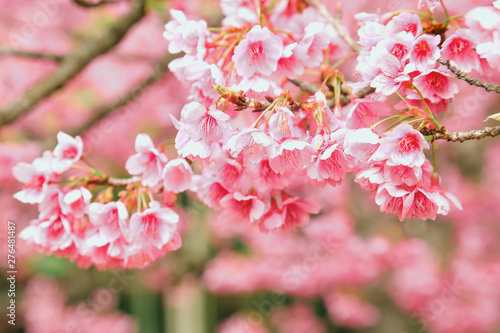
[88, 4]
[120, 182]
[159, 71]
[72, 65]
[336, 24]
[344, 99]
[470, 80]
[304, 86]
[35, 55]
[468, 135]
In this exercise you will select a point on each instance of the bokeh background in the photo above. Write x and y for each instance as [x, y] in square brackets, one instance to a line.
[352, 269]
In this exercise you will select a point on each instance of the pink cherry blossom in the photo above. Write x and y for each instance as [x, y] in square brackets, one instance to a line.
[459, 50]
[349, 310]
[36, 178]
[76, 202]
[289, 65]
[436, 85]
[405, 22]
[252, 145]
[177, 175]
[289, 212]
[391, 71]
[68, 151]
[391, 200]
[111, 220]
[291, 156]
[259, 52]
[185, 36]
[364, 113]
[148, 161]
[281, 125]
[402, 146]
[240, 208]
[155, 225]
[331, 164]
[425, 52]
[315, 40]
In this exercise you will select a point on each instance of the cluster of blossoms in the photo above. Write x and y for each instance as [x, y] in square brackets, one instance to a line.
[256, 167]
[101, 232]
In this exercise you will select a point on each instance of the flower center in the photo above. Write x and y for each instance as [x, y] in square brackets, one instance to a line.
[70, 153]
[409, 143]
[255, 51]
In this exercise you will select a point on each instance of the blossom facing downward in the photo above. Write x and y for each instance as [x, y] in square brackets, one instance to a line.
[177, 176]
[259, 52]
[155, 225]
[147, 162]
[402, 146]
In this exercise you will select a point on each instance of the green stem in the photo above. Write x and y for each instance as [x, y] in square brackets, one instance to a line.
[383, 120]
[448, 19]
[431, 115]
[397, 123]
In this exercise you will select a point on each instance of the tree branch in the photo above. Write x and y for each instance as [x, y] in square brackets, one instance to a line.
[470, 80]
[35, 55]
[159, 71]
[88, 4]
[469, 135]
[336, 24]
[72, 65]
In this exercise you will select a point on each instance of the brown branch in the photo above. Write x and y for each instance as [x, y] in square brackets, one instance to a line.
[344, 99]
[239, 99]
[469, 135]
[88, 4]
[72, 65]
[35, 55]
[121, 182]
[159, 71]
[470, 80]
[336, 24]
[304, 86]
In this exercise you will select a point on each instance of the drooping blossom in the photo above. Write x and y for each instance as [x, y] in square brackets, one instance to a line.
[177, 175]
[436, 85]
[148, 161]
[155, 225]
[402, 146]
[111, 220]
[459, 49]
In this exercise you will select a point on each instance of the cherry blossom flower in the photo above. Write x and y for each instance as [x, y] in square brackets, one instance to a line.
[76, 201]
[291, 156]
[425, 52]
[331, 164]
[436, 85]
[364, 113]
[391, 200]
[405, 22]
[251, 144]
[147, 162]
[111, 220]
[289, 65]
[459, 50]
[315, 40]
[259, 52]
[36, 178]
[402, 146]
[240, 208]
[289, 212]
[185, 36]
[177, 175]
[67, 152]
[155, 225]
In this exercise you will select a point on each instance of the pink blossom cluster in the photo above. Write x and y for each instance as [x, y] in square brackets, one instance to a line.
[100, 232]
